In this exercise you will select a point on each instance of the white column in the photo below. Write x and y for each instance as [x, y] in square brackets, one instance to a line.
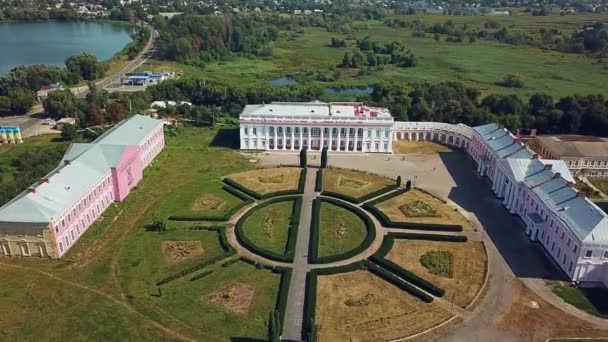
[284, 138]
[347, 137]
[331, 133]
[338, 140]
[267, 137]
[309, 137]
[507, 194]
[321, 141]
[356, 138]
[301, 140]
[276, 138]
[293, 134]
[390, 141]
[495, 179]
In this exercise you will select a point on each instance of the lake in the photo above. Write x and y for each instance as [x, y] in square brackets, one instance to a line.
[51, 42]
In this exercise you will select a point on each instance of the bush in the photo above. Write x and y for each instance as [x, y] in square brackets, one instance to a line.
[259, 196]
[408, 276]
[281, 304]
[361, 199]
[387, 245]
[395, 280]
[243, 240]
[512, 81]
[319, 181]
[302, 181]
[310, 307]
[356, 266]
[314, 233]
[430, 237]
[191, 269]
[201, 275]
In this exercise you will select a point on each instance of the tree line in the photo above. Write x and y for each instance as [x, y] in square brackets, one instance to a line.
[373, 53]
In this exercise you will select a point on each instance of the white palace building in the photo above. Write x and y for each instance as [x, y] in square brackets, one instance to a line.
[570, 227]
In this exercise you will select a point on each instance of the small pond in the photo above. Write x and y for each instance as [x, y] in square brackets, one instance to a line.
[282, 81]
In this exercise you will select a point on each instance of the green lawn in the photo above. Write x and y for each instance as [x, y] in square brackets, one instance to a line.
[340, 230]
[268, 227]
[117, 259]
[591, 300]
[600, 183]
[201, 198]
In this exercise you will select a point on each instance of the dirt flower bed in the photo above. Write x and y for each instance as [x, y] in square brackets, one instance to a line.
[467, 267]
[370, 309]
[353, 183]
[208, 202]
[398, 210]
[264, 181]
[178, 251]
[235, 297]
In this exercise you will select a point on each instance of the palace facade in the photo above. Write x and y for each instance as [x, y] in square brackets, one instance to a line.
[346, 127]
[49, 217]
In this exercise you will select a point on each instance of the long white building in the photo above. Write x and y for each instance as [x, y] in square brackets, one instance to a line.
[347, 127]
[569, 226]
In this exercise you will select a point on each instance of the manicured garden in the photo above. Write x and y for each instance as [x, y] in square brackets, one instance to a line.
[339, 230]
[354, 186]
[264, 183]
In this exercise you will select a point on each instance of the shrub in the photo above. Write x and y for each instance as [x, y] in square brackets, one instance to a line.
[408, 185]
[302, 181]
[398, 181]
[319, 181]
[191, 269]
[303, 158]
[512, 81]
[408, 276]
[158, 224]
[310, 307]
[395, 280]
[201, 275]
[281, 304]
[438, 263]
[387, 245]
[430, 237]
[226, 246]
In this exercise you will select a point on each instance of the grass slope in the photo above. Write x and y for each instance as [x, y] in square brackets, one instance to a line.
[339, 230]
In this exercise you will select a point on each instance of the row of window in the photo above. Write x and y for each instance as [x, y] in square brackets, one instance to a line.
[81, 226]
[86, 200]
[316, 131]
[589, 163]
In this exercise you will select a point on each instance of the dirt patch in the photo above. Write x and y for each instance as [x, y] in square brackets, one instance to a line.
[370, 309]
[208, 202]
[418, 209]
[264, 181]
[402, 209]
[268, 226]
[530, 318]
[234, 297]
[353, 183]
[178, 251]
[468, 266]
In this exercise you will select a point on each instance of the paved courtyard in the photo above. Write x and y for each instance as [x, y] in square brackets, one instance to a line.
[511, 255]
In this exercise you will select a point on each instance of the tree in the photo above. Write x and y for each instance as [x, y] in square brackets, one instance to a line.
[324, 157]
[84, 66]
[303, 158]
[94, 116]
[346, 59]
[116, 112]
[398, 181]
[21, 100]
[60, 103]
[512, 81]
[69, 132]
[158, 224]
[408, 185]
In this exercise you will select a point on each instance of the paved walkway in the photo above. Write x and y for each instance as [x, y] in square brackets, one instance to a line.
[294, 316]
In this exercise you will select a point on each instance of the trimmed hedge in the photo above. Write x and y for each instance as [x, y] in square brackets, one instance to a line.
[400, 283]
[319, 181]
[430, 237]
[257, 195]
[377, 193]
[310, 307]
[356, 266]
[314, 233]
[291, 240]
[207, 228]
[245, 200]
[387, 245]
[387, 196]
[357, 200]
[281, 304]
[386, 221]
[408, 276]
[191, 269]
[201, 275]
[226, 246]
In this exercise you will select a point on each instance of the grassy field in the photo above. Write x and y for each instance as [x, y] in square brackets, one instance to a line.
[201, 198]
[399, 209]
[592, 300]
[12, 180]
[481, 64]
[268, 227]
[264, 181]
[371, 309]
[419, 147]
[102, 287]
[353, 183]
[467, 267]
[340, 230]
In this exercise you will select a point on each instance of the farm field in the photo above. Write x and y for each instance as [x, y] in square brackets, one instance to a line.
[268, 227]
[107, 282]
[340, 230]
[355, 184]
[417, 206]
[265, 181]
[371, 307]
[458, 268]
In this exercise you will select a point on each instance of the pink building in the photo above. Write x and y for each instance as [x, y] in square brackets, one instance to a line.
[49, 217]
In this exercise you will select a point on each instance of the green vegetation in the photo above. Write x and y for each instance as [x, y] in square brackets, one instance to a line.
[340, 230]
[203, 201]
[23, 164]
[590, 300]
[601, 184]
[268, 228]
[438, 263]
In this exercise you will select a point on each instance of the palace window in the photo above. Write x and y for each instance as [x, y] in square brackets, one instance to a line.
[67, 240]
[254, 131]
[588, 253]
[605, 256]
[245, 130]
[60, 247]
[575, 248]
[72, 233]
